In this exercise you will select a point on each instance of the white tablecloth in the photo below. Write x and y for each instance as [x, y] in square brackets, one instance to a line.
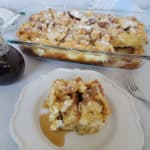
[36, 67]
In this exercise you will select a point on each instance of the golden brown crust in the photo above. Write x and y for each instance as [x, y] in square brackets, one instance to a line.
[85, 31]
[73, 29]
[76, 105]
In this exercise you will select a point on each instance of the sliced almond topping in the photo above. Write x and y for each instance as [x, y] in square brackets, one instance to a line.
[75, 14]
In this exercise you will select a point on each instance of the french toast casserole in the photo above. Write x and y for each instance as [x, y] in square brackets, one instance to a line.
[75, 105]
[85, 30]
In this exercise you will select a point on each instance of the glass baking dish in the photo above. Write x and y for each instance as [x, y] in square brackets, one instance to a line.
[121, 59]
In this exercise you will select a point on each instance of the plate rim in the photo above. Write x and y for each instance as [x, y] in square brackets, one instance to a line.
[20, 142]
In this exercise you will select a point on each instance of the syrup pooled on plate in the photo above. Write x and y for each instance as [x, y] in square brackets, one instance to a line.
[56, 137]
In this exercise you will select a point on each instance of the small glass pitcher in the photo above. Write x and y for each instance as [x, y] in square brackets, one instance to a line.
[12, 63]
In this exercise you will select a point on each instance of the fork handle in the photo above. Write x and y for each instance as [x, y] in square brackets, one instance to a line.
[140, 98]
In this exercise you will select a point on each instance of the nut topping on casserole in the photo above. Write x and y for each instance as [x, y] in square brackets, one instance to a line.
[76, 105]
[76, 29]
[85, 30]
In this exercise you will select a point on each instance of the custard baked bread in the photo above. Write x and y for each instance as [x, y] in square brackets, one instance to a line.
[76, 105]
[83, 30]
[88, 58]
[125, 62]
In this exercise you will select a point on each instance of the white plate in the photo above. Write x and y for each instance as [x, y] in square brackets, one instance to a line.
[122, 131]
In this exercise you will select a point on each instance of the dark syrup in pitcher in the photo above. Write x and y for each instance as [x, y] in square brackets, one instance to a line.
[11, 65]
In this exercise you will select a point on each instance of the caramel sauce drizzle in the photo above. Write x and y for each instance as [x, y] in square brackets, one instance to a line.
[56, 137]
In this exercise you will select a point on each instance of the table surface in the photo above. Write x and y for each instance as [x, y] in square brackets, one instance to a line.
[36, 67]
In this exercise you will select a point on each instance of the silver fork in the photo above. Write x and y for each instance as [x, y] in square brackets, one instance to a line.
[131, 86]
